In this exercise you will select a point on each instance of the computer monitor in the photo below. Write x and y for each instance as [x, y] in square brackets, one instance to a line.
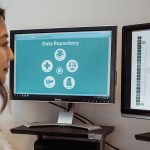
[136, 71]
[64, 64]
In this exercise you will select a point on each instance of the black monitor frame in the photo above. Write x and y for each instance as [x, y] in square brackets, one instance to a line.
[66, 98]
[126, 109]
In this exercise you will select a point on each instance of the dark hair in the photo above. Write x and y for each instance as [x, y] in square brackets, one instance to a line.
[4, 95]
[2, 12]
[3, 91]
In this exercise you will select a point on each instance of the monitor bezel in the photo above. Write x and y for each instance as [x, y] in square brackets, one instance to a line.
[126, 110]
[65, 98]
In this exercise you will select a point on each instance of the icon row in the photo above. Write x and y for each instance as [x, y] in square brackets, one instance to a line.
[71, 66]
[68, 82]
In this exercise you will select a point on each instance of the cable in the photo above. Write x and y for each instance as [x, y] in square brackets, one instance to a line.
[84, 118]
[57, 105]
[111, 146]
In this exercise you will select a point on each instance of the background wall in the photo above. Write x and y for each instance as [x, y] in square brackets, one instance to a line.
[72, 13]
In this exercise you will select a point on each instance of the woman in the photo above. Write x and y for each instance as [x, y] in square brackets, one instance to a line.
[6, 55]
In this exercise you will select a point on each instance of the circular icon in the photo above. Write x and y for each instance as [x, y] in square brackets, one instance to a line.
[59, 70]
[72, 66]
[69, 82]
[47, 65]
[49, 82]
[60, 54]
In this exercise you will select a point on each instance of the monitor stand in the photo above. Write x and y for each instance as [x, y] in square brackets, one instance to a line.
[65, 119]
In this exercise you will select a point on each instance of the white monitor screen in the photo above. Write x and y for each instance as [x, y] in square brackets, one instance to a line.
[135, 98]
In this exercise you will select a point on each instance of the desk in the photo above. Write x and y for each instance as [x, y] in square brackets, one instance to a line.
[48, 135]
[143, 136]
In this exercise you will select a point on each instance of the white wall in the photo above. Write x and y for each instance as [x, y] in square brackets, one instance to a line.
[72, 13]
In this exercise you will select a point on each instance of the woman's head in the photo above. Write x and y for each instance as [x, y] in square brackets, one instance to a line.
[6, 55]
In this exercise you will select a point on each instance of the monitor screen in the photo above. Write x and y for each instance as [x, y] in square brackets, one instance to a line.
[64, 64]
[136, 70]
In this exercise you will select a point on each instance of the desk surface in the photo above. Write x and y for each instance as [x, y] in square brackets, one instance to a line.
[62, 131]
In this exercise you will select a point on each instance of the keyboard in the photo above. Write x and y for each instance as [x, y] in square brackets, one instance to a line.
[86, 127]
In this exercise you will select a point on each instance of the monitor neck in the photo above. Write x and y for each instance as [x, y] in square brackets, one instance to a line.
[66, 117]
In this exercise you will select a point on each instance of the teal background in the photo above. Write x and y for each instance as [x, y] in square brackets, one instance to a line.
[91, 78]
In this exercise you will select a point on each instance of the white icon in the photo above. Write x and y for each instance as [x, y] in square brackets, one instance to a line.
[69, 82]
[60, 54]
[47, 65]
[59, 70]
[49, 82]
[72, 66]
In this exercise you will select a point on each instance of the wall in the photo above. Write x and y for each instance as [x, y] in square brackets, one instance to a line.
[72, 13]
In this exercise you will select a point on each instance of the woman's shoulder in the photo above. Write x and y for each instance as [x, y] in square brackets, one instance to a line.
[4, 144]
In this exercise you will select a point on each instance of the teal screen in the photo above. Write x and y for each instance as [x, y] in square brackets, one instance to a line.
[64, 63]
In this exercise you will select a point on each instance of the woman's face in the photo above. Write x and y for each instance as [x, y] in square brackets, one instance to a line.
[6, 53]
